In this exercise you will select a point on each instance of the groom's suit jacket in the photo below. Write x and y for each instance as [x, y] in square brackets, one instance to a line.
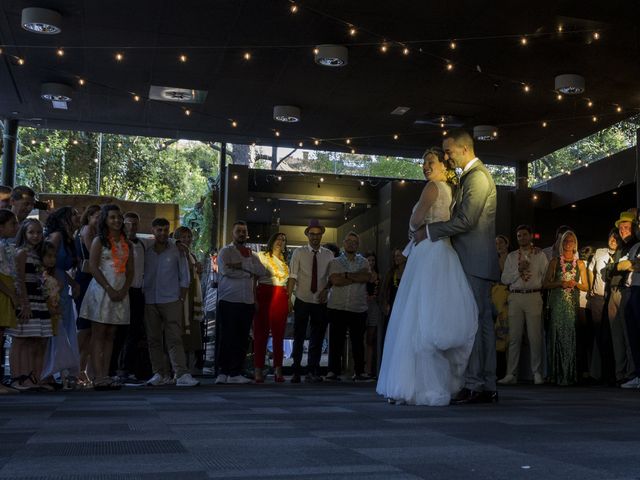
[472, 224]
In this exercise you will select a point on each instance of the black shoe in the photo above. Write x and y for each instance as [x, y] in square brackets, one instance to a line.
[489, 397]
[363, 377]
[466, 396]
[295, 378]
[332, 377]
[310, 378]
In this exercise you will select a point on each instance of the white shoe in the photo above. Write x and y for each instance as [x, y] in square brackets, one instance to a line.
[239, 379]
[156, 380]
[187, 380]
[537, 379]
[633, 383]
[221, 379]
[508, 380]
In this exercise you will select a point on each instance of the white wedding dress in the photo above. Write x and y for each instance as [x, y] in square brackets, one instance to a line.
[433, 323]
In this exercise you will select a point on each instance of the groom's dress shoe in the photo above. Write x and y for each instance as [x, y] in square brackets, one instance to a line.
[473, 396]
[490, 397]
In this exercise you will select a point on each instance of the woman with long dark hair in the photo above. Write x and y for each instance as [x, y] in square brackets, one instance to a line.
[272, 306]
[63, 355]
[106, 303]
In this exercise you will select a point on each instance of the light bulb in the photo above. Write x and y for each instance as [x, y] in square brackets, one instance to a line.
[234, 124]
[20, 61]
[348, 141]
[589, 104]
[395, 136]
[187, 112]
[119, 57]
[81, 81]
[526, 88]
[75, 142]
[405, 51]
[353, 150]
[183, 58]
[560, 28]
[618, 109]
[322, 179]
[277, 133]
[136, 98]
[449, 66]
[60, 52]
[294, 8]
[316, 142]
[594, 119]
[523, 40]
[596, 36]
[33, 142]
[559, 97]
[544, 124]
[300, 144]
[247, 56]
[383, 48]
[352, 31]
[453, 45]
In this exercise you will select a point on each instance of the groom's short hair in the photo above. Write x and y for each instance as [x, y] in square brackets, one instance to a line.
[461, 137]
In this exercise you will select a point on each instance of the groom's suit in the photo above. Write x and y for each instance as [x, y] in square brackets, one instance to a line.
[472, 232]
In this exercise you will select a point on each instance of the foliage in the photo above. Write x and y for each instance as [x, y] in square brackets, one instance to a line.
[131, 168]
[601, 144]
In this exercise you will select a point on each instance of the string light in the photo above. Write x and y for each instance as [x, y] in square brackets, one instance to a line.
[544, 124]
[60, 52]
[453, 45]
[560, 28]
[119, 144]
[589, 104]
[444, 133]
[234, 124]
[596, 35]
[119, 57]
[136, 98]
[187, 112]
[559, 97]
[523, 40]
[246, 56]
[277, 133]
[81, 81]
[47, 149]
[383, 48]
[294, 8]
[449, 66]
[21, 61]
[395, 136]
[353, 150]
[75, 142]
[321, 179]
[183, 58]
[300, 144]
[619, 109]
[594, 119]
[279, 179]
[405, 51]
[348, 141]
[235, 177]
[316, 51]
[402, 181]
[526, 88]
[316, 142]
[352, 31]
[33, 141]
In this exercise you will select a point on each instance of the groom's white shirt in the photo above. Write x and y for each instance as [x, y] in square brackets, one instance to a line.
[464, 170]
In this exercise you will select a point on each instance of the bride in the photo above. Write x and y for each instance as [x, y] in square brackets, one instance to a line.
[434, 318]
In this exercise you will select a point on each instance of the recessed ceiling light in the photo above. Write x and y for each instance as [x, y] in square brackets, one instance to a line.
[400, 110]
[331, 55]
[177, 94]
[485, 133]
[569, 84]
[41, 20]
[287, 113]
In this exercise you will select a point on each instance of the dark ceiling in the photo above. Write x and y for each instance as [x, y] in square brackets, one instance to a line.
[484, 86]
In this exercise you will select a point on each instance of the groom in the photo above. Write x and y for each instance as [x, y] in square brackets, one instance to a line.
[472, 232]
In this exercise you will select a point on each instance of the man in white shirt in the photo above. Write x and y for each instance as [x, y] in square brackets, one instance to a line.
[347, 307]
[523, 272]
[238, 267]
[308, 280]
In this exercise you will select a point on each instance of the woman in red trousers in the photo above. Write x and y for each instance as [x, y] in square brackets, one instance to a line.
[273, 306]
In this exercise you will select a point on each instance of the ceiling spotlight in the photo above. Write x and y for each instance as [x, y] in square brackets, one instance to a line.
[485, 133]
[331, 55]
[523, 40]
[58, 94]
[183, 58]
[41, 20]
[286, 113]
[569, 84]
[453, 45]
[60, 52]
[246, 56]
[119, 57]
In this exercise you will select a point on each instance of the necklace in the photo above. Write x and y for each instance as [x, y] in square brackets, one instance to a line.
[119, 254]
[567, 275]
[526, 275]
[279, 272]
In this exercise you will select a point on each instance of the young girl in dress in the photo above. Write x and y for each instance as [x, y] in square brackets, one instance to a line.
[106, 302]
[51, 286]
[8, 294]
[34, 320]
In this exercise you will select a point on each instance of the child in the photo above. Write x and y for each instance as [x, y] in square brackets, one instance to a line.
[8, 297]
[34, 319]
[50, 284]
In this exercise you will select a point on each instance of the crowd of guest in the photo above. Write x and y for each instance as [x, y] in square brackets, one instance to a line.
[579, 307]
[89, 304]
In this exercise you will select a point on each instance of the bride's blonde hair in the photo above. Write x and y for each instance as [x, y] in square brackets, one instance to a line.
[452, 178]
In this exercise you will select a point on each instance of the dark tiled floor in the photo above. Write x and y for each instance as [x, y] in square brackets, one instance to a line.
[318, 432]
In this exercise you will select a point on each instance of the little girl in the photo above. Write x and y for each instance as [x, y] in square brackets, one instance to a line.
[8, 296]
[34, 319]
[50, 284]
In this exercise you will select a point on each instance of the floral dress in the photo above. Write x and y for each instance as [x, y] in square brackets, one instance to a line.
[563, 305]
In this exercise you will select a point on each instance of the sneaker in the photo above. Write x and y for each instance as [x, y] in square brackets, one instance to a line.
[238, 380]
[508, 380]
[633, 383]
[187, 380]
[332, 377]
[221, 379]
[363, 377]
[129, 381]
[537, 379]
[295, 378]
[156, 380]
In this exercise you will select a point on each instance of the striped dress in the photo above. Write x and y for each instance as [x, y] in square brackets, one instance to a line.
[39, 325]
